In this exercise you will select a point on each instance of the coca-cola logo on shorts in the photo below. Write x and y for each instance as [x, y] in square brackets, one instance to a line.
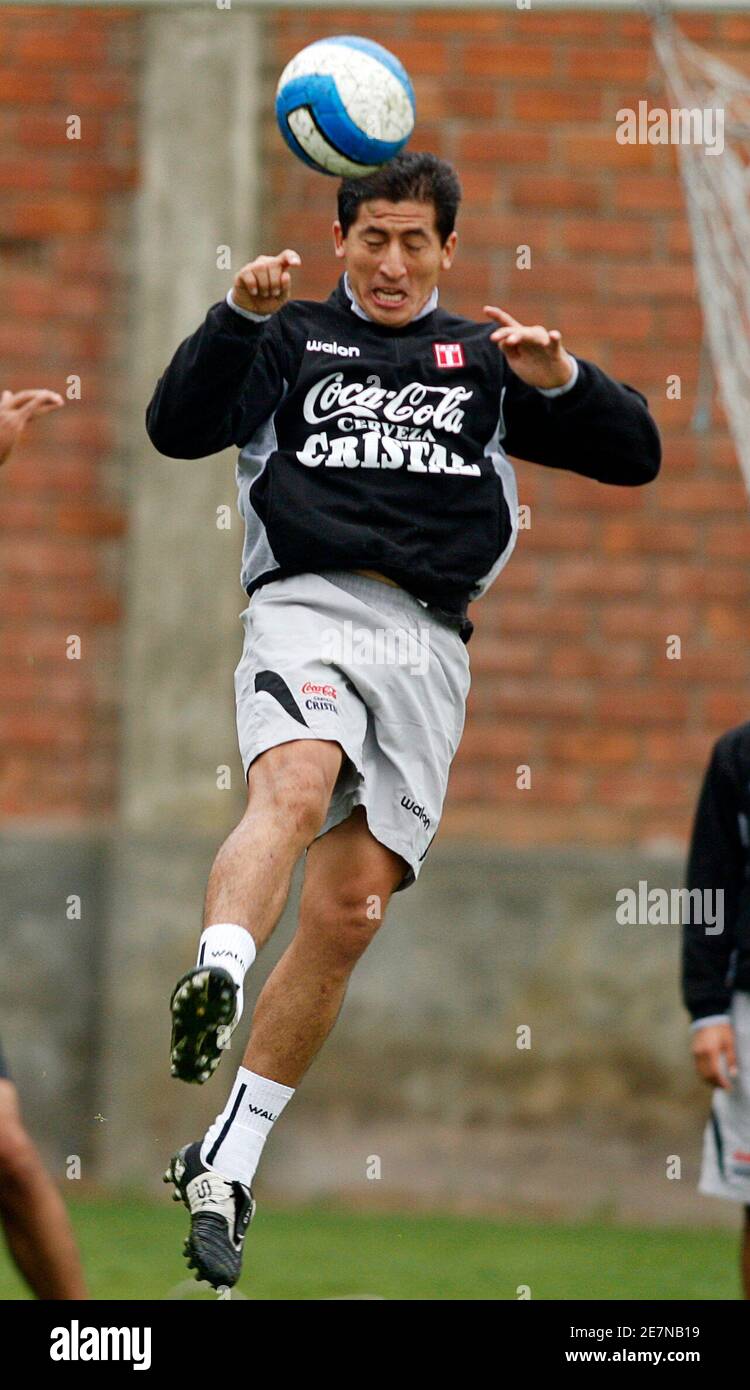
[309, 688]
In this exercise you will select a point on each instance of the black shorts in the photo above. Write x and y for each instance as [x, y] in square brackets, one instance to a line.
[4, 1073]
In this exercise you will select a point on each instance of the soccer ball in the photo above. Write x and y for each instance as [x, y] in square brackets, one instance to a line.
[345, 106]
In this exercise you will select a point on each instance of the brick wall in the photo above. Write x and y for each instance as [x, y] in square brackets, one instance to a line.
[569, 655]
[64, 208]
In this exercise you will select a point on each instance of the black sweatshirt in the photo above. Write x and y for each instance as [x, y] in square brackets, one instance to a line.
[369, 447]
[715, 965]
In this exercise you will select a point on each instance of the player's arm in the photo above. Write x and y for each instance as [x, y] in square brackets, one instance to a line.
[592, 425]
[227, 376]
[17, 408]
[715, 864]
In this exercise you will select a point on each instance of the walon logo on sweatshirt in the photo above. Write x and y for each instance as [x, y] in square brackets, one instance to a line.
[315, 345]
[76, 1343]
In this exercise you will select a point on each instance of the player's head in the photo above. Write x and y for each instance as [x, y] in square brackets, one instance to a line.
[396, 231]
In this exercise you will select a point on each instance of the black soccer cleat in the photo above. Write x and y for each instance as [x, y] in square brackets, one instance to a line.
[203, 1005]
[220, 1213]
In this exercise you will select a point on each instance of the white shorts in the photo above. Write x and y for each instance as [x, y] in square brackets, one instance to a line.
[725, 1171]
[348, 658]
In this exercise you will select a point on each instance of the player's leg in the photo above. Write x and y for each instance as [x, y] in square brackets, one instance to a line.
[349, 878]
[32, 1211]
[289, 790]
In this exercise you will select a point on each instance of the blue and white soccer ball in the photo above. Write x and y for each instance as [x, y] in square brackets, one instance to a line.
[345, 106]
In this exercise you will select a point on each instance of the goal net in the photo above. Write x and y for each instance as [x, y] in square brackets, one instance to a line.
[718, 201]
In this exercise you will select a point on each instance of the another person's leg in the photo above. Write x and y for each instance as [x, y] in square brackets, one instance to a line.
[724, 1167]
[32, 1211]
[745, 1258]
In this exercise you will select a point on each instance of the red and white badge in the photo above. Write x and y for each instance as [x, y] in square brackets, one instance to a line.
[449, 354]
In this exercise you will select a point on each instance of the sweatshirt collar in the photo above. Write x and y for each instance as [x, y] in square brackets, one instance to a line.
[357, 309]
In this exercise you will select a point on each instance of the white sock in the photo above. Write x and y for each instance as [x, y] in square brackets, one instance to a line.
[234, 1143]
[232, 948]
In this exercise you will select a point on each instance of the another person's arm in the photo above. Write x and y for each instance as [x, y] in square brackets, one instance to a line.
[17, 408]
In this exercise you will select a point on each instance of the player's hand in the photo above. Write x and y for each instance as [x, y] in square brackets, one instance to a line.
[17, 408]
[536, 355]
[264, 284]
[714, 1055]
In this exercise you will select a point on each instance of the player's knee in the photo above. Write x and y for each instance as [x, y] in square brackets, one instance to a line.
[297, 792]
[302, 798]
[346, 925]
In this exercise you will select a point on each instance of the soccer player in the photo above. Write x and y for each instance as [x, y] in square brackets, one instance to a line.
[716, 971]
[31, 1209]
[378, 501]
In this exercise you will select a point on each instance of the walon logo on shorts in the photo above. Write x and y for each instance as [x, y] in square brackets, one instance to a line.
[449, 354]
[409, 804]
[321, 697]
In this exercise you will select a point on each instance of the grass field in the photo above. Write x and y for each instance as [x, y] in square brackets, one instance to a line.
[132, 1249]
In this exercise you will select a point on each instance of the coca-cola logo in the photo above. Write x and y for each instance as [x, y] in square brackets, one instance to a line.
[415, 404]
[309, 688]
